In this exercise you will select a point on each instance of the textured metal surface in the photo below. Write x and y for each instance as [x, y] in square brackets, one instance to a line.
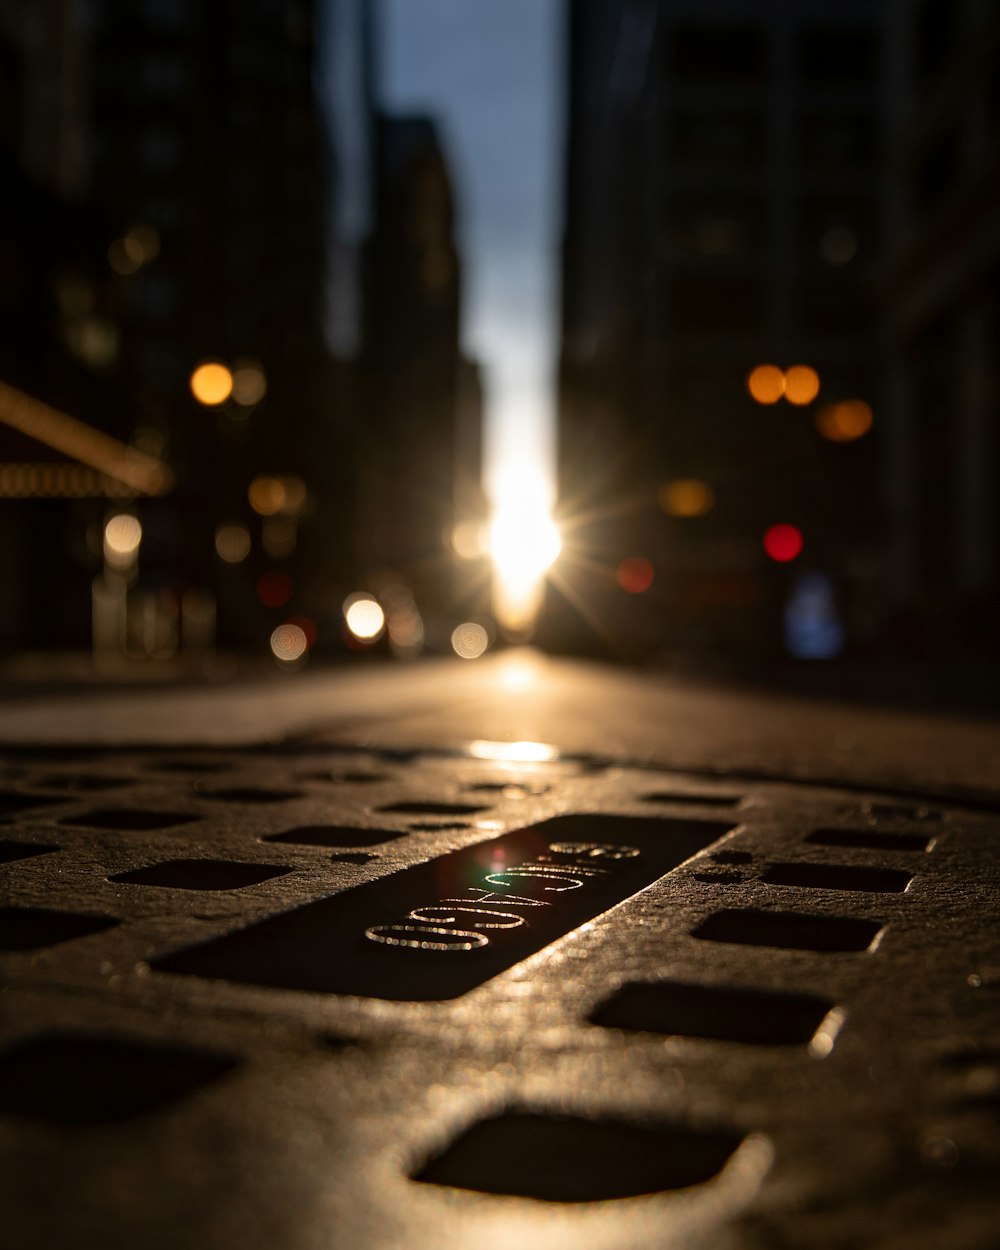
[775, 1025]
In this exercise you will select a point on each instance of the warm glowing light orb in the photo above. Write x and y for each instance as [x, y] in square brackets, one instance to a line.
[686, 497]
[635, 575]
[289, 643]
[766, 384]
[249, 383]
[844, 422]
[266, 495]
[469, 640]
[469, 540]
[801, 384]
[783, 542]
[232, 543]
[211, 383]
[122, 536]
[363, 616]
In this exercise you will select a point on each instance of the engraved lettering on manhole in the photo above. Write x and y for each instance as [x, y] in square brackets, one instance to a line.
[439, 929]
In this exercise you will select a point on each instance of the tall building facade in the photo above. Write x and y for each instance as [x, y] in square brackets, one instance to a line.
[941, 285]
[421, 446]
[723, 210]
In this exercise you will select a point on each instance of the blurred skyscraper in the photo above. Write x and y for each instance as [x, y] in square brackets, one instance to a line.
[942, 289]
[420, 443]
[723, 211]
[197, 202]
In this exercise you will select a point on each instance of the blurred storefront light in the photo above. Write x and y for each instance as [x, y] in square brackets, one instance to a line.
[211, 383]
[686, 497]
[470, 540]
[783, 542]
[289, 643]
[122, 536]
[766, 384]
[801, 384]
[635, 575]
[363, 616]
[249, 383]
[232, 543]
[469, 640]
[274, 590]
[844, 422]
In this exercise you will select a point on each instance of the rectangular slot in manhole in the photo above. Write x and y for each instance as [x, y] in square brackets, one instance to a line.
[438, 929]
[838, 877]
[789, 930]
[715, 1012]
[870, 840]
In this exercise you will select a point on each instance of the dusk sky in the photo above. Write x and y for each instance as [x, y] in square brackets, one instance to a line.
[491, 73]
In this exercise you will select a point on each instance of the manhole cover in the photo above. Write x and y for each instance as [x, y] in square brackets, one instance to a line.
[262, 998]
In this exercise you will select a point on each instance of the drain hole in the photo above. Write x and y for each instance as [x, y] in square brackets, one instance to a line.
[201, 874]
[91, 1080]
[428, 826]
[334, 835]
[432, 809]
[719, 878]
[11, 851]
[869, 840]
[759, 1017]
[133, 820]
[789, 930]
[252, 794]
[838, 877]
[732, 857]
[32, 928]
[571, 1159]
[352, 857]
[11, 804]
[695, 800]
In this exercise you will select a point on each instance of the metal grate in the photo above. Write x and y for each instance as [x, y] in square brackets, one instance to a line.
[310, 996]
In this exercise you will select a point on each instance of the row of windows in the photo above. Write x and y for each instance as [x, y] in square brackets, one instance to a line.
[722, 304]
[742, 54]
[727, 141]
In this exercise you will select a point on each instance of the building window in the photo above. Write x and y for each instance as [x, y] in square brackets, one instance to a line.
[838, 56]
[720, 53]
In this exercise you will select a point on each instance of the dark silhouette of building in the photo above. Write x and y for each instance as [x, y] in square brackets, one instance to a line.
[722, 211]
[942, 288]
[420, 469]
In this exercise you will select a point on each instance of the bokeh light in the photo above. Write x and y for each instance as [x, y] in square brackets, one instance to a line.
[635, 575]
[469, 640]
[363, 616]
[122, 536]
[211, 383]
[686, 497]
[783, 542]
[266, 495]
[844, 422]
[232, 542]
[249, 383]
[766, 384]
[289, 643]
[275, 589]
[801, 384]
[469, 539]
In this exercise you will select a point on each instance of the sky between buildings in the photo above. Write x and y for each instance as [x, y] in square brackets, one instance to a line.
[491, 73]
